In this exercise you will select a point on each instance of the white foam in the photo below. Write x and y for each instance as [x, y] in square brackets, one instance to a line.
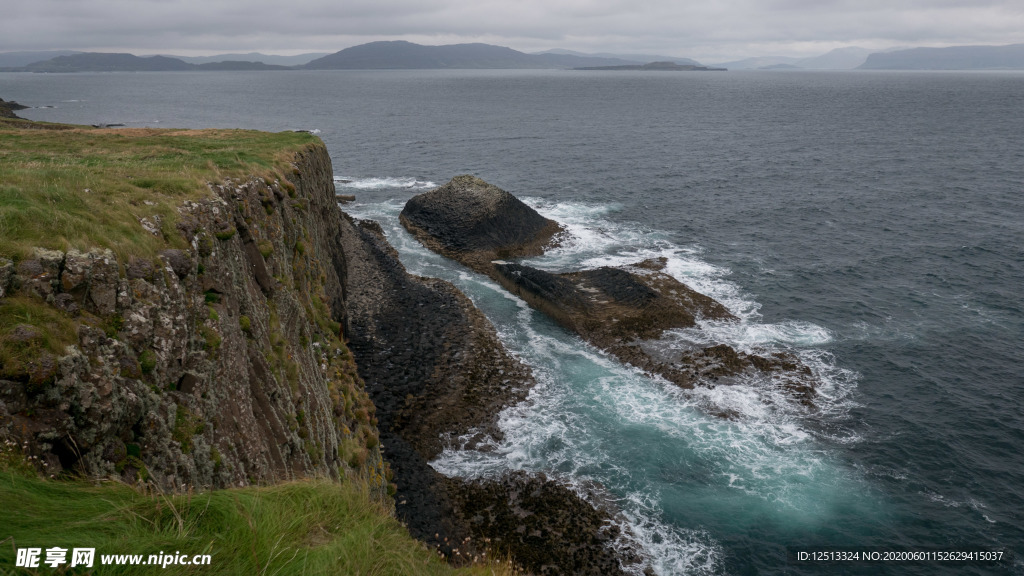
[751, 336]
[383, 183]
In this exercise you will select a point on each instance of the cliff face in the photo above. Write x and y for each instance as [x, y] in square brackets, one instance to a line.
[218, 365]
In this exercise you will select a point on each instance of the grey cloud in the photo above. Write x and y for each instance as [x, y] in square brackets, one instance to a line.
[728, 27]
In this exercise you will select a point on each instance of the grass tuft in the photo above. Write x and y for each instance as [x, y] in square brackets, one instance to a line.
[304, 527]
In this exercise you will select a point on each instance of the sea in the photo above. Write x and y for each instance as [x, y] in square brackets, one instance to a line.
[871, 223]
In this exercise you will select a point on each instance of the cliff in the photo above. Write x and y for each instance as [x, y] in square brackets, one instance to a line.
[1009, 57]
[205, 348]
[192, 309]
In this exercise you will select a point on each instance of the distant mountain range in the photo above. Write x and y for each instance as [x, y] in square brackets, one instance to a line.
[401, 55]
[656, 66]
[395, 55]
[629, 58]
[846, 58]
[297, 60]
[1010, 57]
[408, 56]
[114, 62]
[22, 58]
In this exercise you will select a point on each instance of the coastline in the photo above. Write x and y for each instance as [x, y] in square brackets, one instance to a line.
[237, 335]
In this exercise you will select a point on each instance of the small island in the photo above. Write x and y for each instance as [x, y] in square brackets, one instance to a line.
[657, 66]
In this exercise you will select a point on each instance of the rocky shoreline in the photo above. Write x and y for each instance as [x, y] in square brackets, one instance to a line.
[626, 311]
[439, 377]
[7, 108]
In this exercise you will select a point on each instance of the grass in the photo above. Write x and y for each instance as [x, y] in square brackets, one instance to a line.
[79, 187]
[301, 527]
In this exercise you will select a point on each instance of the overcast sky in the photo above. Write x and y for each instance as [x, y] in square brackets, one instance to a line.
[710, 30]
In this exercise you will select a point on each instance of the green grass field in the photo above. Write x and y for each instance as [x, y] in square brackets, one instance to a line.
[303, 527]
[67, 187]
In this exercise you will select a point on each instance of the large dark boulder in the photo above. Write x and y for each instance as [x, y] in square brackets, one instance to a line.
[474, 222]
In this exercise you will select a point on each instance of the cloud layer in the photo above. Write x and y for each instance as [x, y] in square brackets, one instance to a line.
[705, 30]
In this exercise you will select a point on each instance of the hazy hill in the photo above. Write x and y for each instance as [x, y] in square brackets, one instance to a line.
[19, 59]
[297, 60]
[107, 62]
[115, 62]
[623, 59]
[757, 62]
[846, 58]
[239, 65]
[1009, 57]
[401, 55]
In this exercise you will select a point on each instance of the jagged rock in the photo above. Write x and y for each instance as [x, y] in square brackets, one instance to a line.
[230, 372]
[76, 266]
[139, 269]
[178, 261]
[103, 274]
[23, 334]
[41, 273]
[66, 303]
[544, 525]
[7, 109]
[474, 222]
[609, 306]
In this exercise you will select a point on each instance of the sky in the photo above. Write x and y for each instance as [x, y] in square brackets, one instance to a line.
[709, 30]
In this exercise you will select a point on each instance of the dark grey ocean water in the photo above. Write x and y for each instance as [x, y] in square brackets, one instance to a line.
[872, 223]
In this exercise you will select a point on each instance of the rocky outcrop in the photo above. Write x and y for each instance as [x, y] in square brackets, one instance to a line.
[610, 306]
[219, 363]
[624, 311]
[474, 222]
[7, 109]
[439, 377]
[546, 527]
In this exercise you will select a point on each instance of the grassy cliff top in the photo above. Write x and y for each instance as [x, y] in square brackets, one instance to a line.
[64, 187]
[308, 527]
